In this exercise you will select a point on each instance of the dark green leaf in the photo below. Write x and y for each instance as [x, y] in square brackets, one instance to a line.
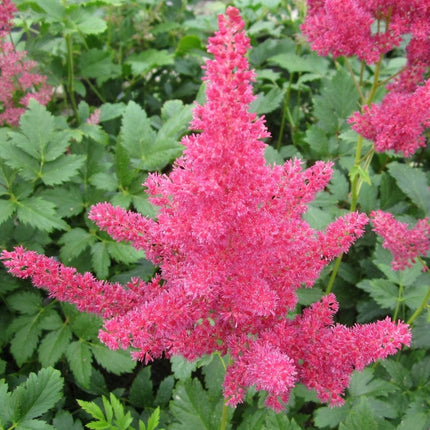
[74, 243]
[360, 417]
[384, 292]
[7, 208]
[413, 182]
[145, 61]
[141, 394]
[330, 417]
[117, 362]
[54, 345]
[100, 259]
[79, 357]
[26, 302]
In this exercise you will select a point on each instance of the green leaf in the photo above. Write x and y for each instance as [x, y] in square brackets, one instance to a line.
[34, 425]
[124, 252]
[266, 103]
[40, 214]
[37, 395]
[420, 332]
[27, 330]
[330, 417]
[104, 181]
[363, 383]
[276, 421]
[117, 362]
[7, 208]
[86, 22]
[384, 292]
[64, 421]
[154, 420]
[164, 392]
[54, 345]
[214, 376]
[98, 64]
[192, 409]
[62, 169]
[26, 302]
[360, 417]
[141, 394]
[413, 182]
[136, 132]
[6, 410]
[100, 259]
[300, 63]
[79, 357]
[149, 59]
[92, 409]
[338, 99]
[182, 368]
[74, 243]
[69, 201]
[54, 10]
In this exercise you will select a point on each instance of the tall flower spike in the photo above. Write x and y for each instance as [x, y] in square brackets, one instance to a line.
[231, 245]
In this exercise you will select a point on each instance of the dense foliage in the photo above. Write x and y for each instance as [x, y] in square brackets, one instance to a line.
[96, 95]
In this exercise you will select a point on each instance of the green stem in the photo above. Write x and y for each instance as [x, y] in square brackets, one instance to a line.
[285, 113]
[70, 76]
[333, 274]
[224, 417]
[420, 308]
[356, 83]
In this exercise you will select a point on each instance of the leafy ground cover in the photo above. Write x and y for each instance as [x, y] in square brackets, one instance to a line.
[96, 96]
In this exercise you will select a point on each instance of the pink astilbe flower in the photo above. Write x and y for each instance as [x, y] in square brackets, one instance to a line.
[406, 244]
[94, 117]
[364, 28]
[18, 82]
[232, 247]
[398, 122]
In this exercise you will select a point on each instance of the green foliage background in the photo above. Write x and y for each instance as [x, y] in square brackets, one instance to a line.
[139, 62]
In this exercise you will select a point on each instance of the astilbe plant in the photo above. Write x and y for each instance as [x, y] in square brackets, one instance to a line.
[232, 249]
[18, 82]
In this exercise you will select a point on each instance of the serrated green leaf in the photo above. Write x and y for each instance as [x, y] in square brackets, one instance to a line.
[122, 166]
[253, 421]
[92, 409]
[100, 259]
[145, 61]
[300, 63]
[141, 394]
[6, 411]
[330, 417]
[360, 417]
[268, 102]
[86, 21]
[124, 252]
[413, 182]
[154, 419]
[276, 421]
[108, 409]
[26, 302]
[64, 421]
[363, 383]
[384, 292]
[117, 362]
[420, 332]
[34, 425]
[192, 409]
[164, 392]
[7, 208]
[54, 10]
[40, 214]
[104, 181]
[85, 326]
[214, 377]
[37, 395]
[136, 132]
[98, 64]
[69, 201]
[74, 243]
[79, 357]
[54, 345]
[26, 337]
[182, 368]
[338, 99]
[62, 169]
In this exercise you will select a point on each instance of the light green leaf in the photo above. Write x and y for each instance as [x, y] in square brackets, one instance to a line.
[92, 409]
[104, 181]
[117, 362]
[34, 425]
[37, 395]
[363, 383]
[79, 357]
[98, 64]
[295, 63]
[413, 182]
[54, 345]
[276, 421]
[154, 420]
[6, 411]
[149, 59]
[330, 417]
[182, 368]
[86, 22]
[54, 10]
[74, 243]
[40, 214]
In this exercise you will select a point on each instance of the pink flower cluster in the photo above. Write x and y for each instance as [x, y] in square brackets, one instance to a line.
[364, 28]
[368, 29]
[398, 122]
[233, 249]
[18, 82]
[405, 244]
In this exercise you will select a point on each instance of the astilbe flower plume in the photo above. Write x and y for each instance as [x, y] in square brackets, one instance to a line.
[18, 82]
[232, 248]
[405, 243]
